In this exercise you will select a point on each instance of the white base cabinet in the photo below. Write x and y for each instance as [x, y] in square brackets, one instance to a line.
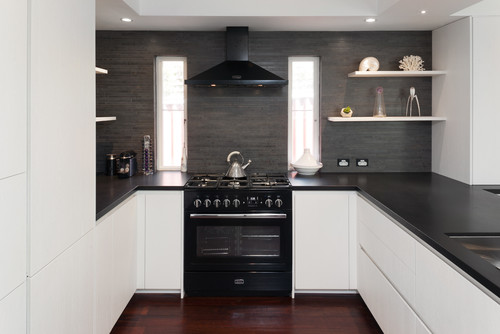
[163, 240]
[61, 295]
[115, 264]
[409, 289]
[13, 312]
[448, 302]
[321, 240]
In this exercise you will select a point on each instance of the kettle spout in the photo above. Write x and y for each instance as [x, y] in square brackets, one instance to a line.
[246, 165]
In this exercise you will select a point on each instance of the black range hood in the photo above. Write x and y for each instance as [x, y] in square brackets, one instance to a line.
[237, 70]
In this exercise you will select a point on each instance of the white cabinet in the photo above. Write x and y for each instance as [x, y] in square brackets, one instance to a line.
[13, 86]
[321, 240]
[386, 271]
[466, 147]
[409, 289]
[163, 240]
[61, 295]
[13, 312]
[12, 233]
[124, 253]
[115, 264]
[392, 313]
[389, 247]
[448, 303]
[61, 99]
[104, 276]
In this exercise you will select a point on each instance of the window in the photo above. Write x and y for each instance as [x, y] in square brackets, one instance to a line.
[303, 107]
[171, 112]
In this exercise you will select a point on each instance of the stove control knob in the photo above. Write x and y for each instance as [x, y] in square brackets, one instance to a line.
[236, 203]
[207, 203]
[278, 203]
[217, 203]
[197, 202]
[269, 202]
[226, 203]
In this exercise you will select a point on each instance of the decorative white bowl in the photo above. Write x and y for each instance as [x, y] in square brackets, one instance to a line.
[307, 170]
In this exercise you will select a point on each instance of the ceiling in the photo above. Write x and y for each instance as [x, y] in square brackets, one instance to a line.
[283, 15]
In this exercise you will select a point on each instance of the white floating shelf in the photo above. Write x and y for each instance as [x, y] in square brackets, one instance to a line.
[99, 70]
[105, 119]
[388, 119]
[387, 74]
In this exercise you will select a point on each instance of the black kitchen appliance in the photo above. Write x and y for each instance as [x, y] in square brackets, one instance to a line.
[237, 70]
[127, 164]
[111, 164]
[238, 236]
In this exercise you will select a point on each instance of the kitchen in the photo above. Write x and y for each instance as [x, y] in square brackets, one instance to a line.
[54, 204]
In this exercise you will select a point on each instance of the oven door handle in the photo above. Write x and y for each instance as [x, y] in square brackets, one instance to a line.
[238, 215]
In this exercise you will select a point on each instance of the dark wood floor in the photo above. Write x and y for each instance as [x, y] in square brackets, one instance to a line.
[311, 314]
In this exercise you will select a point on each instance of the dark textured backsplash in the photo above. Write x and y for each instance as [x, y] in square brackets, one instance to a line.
[254, 121]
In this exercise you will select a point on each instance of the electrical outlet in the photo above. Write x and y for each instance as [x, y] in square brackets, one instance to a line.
[362, 162]
[343, 162]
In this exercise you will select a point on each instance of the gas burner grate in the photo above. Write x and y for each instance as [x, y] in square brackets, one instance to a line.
[217, 181]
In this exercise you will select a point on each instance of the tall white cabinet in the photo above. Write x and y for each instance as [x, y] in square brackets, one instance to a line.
[465, 147]
[61, 164]
[13, 130]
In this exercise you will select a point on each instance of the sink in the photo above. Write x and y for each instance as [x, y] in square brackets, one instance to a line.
[494, 191]
[487, 246]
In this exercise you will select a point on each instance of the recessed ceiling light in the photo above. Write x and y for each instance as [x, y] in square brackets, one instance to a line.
[126, 19]
[370, 20]
[423, 12]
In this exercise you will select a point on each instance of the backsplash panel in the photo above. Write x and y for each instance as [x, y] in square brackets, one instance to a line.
[254, 121]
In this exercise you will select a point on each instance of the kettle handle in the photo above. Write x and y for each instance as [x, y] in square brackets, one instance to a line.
[230, 154]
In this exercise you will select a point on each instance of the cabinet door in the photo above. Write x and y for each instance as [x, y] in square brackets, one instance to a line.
[163, 258]
[104, 285]
[321, 240]
[13, 312]
[392, 313]
[61, 295]
[124, 255]
[12, 233]
[13, 84]
[448, 303]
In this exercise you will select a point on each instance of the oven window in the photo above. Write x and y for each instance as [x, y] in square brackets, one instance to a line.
[238, 241]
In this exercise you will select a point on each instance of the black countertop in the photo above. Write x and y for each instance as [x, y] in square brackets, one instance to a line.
[427, 204]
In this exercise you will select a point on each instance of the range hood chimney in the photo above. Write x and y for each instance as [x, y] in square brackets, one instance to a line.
[237, 70]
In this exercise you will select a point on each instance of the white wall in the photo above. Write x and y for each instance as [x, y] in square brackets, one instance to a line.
[486, 101]
[451, 98]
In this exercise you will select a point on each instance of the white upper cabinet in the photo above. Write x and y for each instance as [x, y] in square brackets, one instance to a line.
[13, 86]
[466, 147]
[62, 126]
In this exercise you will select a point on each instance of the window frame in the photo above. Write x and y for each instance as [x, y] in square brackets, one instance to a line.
[158, 109]
[316, 150]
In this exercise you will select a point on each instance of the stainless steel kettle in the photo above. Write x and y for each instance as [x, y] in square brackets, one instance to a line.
[236, 167]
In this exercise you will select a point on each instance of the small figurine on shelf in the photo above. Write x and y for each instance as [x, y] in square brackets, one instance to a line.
[346, 112]
[409, 103]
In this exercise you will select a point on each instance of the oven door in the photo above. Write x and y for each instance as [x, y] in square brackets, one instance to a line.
[241, 242]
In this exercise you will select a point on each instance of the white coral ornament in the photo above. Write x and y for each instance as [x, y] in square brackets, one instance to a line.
[412, 63]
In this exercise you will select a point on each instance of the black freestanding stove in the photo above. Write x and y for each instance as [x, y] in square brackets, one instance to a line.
[238, 236]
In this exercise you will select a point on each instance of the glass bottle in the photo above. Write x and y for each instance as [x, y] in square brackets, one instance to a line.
[379, 108]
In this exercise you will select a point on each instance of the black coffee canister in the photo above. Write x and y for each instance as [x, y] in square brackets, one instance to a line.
[111, 161]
